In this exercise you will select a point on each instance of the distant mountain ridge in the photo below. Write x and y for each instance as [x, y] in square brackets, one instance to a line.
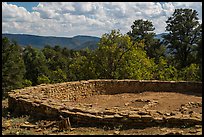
[159, 36]
[77, 42]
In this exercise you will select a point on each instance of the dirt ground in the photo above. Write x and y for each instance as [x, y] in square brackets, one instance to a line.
[165, 101]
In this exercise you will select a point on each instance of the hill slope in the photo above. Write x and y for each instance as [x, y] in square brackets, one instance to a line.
[77, 42]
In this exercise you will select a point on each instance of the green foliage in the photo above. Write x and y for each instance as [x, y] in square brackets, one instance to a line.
[164, 71]
[35, 63]
[27, 83]
[110, 53]
[138, 65]
[143, 30]
[82, 66]
[183, 38]
[190, 73]
[58, 76]
[13, 68]
[118, 58]
[42, 79]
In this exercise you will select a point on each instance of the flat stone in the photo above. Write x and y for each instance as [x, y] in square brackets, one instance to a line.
[193, 120]
[134, 116]
[174, 133]
[192, 131]
[71, 129]
[199, 130]
[85, 114]
[198, 126]
[68, 112]
[65, 100]
[173, 119]
[108, 116]
[98, 117]
[27, 126]
[109, 112]
[146, 118]
[116, 132]
[38, 130]
[163, 129]
[158, 119]
[26, 122]
[167, 114]
[117, 115]
[25, 96]
[124, 113]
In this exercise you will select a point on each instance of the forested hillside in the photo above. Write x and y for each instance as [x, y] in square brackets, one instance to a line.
[135, 55]
[78, 42]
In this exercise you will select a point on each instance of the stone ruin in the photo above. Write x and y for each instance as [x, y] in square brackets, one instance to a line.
[54, 100]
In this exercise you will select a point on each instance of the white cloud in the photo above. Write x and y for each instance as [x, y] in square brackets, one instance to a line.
[88, 18]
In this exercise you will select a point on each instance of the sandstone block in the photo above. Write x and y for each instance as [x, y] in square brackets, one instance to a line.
[134, 116]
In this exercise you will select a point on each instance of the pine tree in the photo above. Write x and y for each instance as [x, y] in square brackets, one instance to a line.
[143, 30]
[13, 68]
[184, 36]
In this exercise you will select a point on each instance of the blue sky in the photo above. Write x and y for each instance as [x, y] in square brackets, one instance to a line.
[86, 18]
[27, 5]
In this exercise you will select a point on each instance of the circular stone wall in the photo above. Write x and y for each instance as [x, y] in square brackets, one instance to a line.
[131, 103]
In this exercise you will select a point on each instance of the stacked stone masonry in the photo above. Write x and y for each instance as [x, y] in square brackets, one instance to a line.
[51, 100]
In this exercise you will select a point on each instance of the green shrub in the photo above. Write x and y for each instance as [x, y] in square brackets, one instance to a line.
[43, 79]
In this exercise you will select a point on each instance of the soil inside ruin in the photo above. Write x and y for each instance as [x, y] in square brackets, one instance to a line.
[163, 101]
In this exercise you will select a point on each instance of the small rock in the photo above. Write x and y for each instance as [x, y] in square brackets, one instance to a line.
[117, 115]
[199, 130]
[192, 131]
[26, 122]
[116, 132]
[167, 114]
[38, 130]
[198, 126]
[199, 133]
[54, 129]
[163, 129]
[71, 129]
[45, 132]
[27, 126]
[174, 133]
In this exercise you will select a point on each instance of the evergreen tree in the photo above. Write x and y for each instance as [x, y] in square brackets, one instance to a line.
[184, 36]
[13, 68]
[35, 63]
[143, 30]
